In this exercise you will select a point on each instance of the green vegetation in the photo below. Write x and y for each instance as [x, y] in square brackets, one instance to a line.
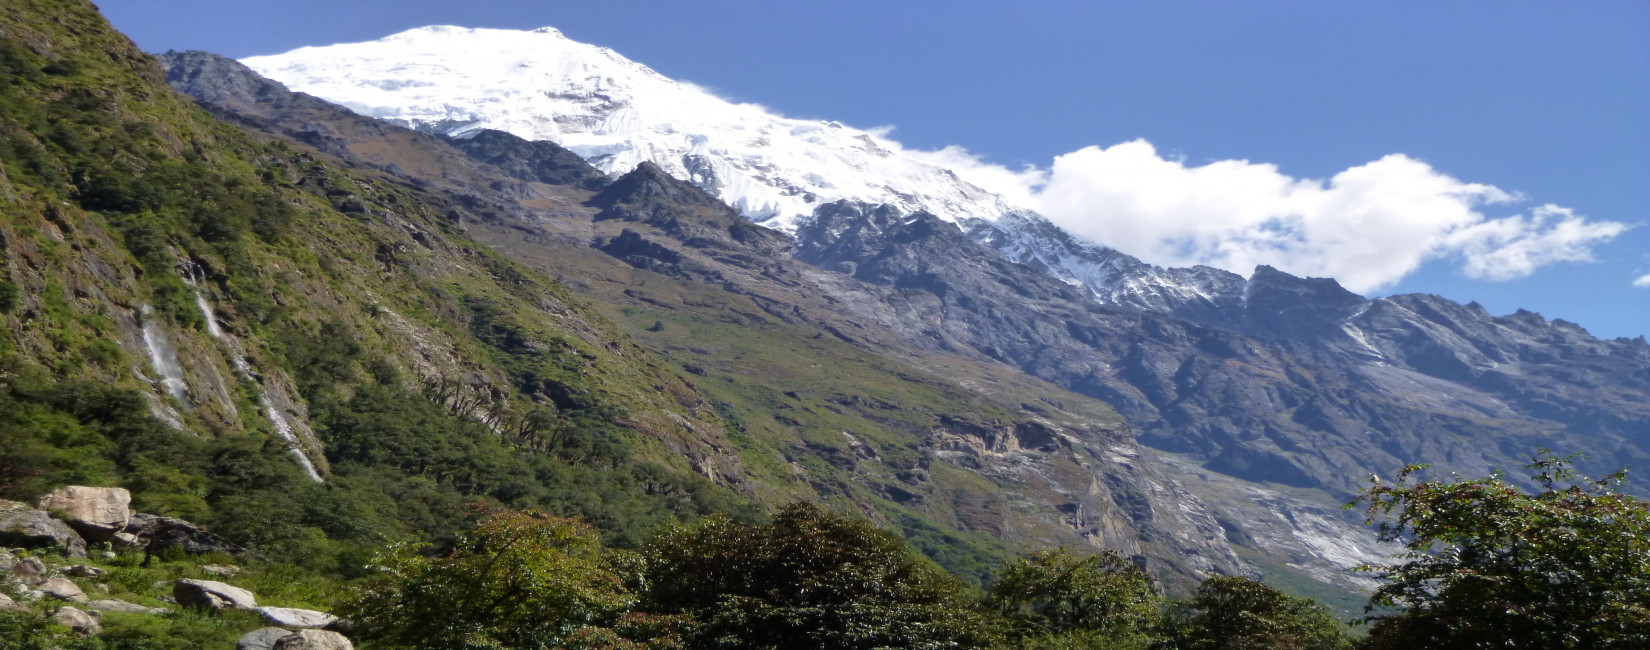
[1058, 598]
[1236, 613]
[1490, 566]
[515, 581]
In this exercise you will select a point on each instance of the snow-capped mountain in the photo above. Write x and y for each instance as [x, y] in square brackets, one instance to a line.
[616, 113]
[774, 170]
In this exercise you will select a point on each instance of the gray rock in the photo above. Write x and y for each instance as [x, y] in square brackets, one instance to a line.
[76, 620]
[313, 640]
[31, 528]
[263, 638]
[63, 588]
[97, 513]
[121, 606]
[7, 560]
[83, 571]
[212, 595]
[296, 618]
[157, 534]
[9, 605]
[30, 571]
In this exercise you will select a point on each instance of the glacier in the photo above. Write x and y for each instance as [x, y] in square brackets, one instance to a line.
[774, 170]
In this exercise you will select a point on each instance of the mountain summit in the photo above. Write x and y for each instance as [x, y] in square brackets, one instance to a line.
[617, 113]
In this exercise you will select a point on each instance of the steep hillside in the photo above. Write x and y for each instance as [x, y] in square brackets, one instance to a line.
[965, 456]
[205, 317]
[1294, 391]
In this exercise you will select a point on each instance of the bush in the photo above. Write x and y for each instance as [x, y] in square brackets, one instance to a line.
[810, 579]
[1097, 597]
[1492, 566]
[520, 580]
[1235, 613]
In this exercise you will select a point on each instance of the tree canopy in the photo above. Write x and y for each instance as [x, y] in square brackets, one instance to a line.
[1491, 565]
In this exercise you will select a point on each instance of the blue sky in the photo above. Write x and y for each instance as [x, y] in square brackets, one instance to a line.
[1550, 101]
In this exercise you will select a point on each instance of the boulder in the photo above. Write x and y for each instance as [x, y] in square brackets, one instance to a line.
[123, 607]
[156, 534]
[263, 638]
[7, 560]
[63, 588]
[83, 571]
[296, 618]
[76, 620]
[213, 595]
[31, 528]
[30, 571]
[9, 605]
[97, 513]
[313, 640]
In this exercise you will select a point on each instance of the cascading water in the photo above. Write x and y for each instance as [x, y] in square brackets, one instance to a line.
[163, 358]
[237, 358]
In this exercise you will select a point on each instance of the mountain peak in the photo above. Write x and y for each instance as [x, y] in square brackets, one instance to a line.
[617, 113]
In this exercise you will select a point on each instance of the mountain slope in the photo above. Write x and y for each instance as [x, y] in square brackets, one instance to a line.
[926, 441]
[199, 314]
[1271, 378]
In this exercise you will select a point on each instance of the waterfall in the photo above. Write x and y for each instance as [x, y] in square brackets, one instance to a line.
[284, 428]
[237, 358]
[163, 358]
[192, 277]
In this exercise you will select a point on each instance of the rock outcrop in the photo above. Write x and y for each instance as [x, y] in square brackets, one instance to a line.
[313, 640]
[263, 638]
[28, 527]
[156, 534]
[63, 588]
[97, 513]
[213, 595]
[296, 618]
[77, 620]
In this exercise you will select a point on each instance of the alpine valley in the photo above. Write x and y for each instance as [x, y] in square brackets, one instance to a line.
[374, 281]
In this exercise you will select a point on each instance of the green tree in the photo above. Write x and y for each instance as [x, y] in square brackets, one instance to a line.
[1236, 613]
[1051, 597]
[518, 580]
[1490, 565]
[810, 579]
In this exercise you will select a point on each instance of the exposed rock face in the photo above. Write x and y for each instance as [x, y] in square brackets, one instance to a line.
[313, 640]
[538, 161]
[77, 620]
[27, 527]
[63, 588]
[1271, 378]
[296, 618]
[210, 594]
[97, 513]
[263, 638]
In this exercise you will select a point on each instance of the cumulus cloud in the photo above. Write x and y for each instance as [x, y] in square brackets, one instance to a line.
[1367, 226]
[1643, 282]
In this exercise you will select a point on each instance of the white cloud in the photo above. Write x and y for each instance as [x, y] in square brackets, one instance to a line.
[1368, 226]
[1643, 281]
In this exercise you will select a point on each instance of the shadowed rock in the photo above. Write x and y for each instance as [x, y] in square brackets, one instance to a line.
[27, 527]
